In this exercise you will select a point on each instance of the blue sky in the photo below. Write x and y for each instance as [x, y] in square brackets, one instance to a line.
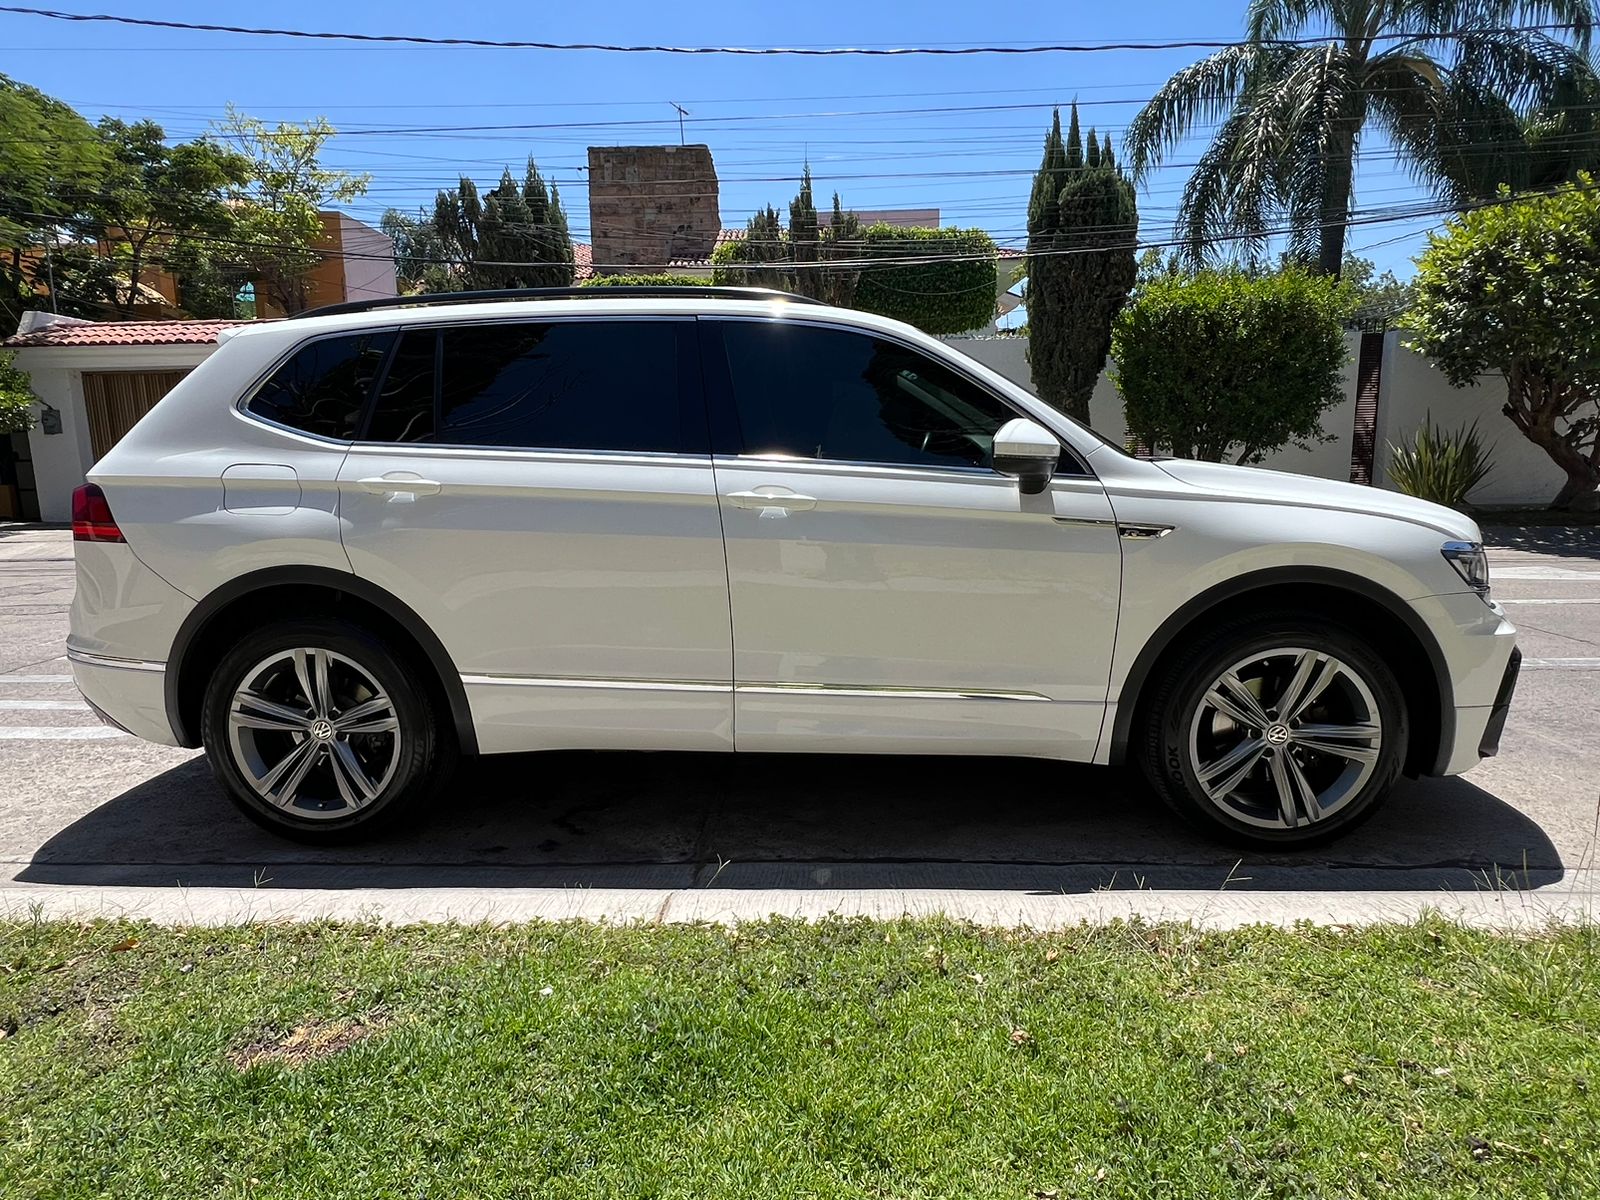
[761, 117]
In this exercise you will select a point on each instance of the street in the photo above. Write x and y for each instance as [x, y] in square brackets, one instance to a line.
[97, 823]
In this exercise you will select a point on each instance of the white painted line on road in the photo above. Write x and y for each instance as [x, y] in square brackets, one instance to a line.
[1546, 600]
[1568, 664]
[44, 705]
[57, 733]
[1566, 573]
[35, 678]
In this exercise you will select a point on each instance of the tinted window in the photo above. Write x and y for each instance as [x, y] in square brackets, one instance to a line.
[566, 385]
[324, 387]
[404, 411]
[824, 393]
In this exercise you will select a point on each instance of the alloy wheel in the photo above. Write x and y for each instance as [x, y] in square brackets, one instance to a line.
[313, 733]
[1285, 738]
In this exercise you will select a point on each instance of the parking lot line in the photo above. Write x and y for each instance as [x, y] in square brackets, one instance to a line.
[44, 705]
[1569, 664]
[19, 679]
[1549, 600]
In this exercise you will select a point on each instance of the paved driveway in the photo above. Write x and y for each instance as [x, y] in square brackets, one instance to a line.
[93, 823]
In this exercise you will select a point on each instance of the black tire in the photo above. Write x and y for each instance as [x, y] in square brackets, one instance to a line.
[412, 772]
[1174, 728]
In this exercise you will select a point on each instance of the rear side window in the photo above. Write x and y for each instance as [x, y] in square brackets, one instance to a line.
[807, 392]
[559, 385]
[323, 389]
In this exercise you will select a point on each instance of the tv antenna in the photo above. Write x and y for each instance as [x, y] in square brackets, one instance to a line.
[682, 113]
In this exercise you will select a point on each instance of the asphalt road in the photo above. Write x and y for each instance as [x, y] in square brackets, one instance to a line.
[91, 822]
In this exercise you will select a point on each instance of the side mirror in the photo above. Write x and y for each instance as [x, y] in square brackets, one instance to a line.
[1029, 451]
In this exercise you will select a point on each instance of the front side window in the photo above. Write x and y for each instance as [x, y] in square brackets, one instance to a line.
[807, 392]
[558, 385]
[323, 388]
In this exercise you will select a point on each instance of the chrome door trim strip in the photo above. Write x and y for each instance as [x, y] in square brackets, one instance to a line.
[882, 693]
[627, 685]
[1091, 522]
[748, 689]
[121, 664]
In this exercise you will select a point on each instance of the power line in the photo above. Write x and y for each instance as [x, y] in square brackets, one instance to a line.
[757, 51]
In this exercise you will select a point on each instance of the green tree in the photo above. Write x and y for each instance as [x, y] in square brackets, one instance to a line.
[419, 254]
[152, 198]
[277, 208]
[1082, 229]
[511, 237]
[1513, 289]
[1221, 364]
[50, 162]
[16, 397]
[1289, 119]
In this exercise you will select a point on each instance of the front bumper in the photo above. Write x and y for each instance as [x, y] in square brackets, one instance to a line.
[1489, 743]
[124, 692]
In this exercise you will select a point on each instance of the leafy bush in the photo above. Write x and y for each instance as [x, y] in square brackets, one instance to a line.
[937, 297]
[1514, 289]
[940, 297]
[1224, 363]
[16, 397]
[1440, 465]
[660, 279]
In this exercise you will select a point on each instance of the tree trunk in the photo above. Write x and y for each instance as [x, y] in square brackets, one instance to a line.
[1534, 404]
[1336, 206]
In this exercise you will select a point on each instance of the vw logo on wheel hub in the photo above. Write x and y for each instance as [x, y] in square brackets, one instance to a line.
[322, 729]
[1277, 735]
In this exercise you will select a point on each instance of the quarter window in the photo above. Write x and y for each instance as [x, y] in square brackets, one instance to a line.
[323, 389]
[807, 392]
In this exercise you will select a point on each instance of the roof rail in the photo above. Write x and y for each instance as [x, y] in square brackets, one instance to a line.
[556, 293]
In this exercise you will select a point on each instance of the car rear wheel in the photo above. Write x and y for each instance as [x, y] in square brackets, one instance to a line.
[1278, 731]
[319, 731]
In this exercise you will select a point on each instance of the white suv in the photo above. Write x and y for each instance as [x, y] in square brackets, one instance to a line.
[352, 546]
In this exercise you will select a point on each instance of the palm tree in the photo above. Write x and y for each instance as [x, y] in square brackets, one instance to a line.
[1290, 113]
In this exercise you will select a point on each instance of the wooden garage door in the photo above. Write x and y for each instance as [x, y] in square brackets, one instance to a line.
[116, 399]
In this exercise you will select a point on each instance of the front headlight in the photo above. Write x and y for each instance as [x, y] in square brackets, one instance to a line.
[1470, 562]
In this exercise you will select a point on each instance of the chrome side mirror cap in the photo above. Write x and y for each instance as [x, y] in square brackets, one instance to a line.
[1029, 451]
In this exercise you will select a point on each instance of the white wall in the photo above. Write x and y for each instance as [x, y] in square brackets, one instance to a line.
[1413, 388]
[369, 260]
[1410, 388]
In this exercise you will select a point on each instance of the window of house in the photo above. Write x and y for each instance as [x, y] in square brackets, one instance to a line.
[808, 392]
[323, 388]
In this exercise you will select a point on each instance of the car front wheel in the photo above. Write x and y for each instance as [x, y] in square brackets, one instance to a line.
[319, 731]
[1280, 731]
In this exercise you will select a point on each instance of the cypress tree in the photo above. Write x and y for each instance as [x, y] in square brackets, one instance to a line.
[1082, 230]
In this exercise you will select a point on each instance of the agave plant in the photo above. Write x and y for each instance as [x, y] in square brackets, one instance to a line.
[1439, 464]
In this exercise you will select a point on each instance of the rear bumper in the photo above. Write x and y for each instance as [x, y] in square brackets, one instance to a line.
[125, 692]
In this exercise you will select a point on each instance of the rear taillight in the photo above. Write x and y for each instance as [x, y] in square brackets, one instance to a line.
[91, 516]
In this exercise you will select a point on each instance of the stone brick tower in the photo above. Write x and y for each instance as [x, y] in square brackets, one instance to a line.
[649, 205]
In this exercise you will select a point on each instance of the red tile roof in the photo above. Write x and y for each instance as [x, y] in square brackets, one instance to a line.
[582, 261]
[124, 333]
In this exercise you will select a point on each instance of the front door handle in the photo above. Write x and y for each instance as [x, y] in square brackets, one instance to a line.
[401, 487]
[771, 498]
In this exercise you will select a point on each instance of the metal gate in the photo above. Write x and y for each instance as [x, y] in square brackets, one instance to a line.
[117, 399]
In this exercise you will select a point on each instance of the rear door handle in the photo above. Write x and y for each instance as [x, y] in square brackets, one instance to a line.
[769, 498]
[401, 487]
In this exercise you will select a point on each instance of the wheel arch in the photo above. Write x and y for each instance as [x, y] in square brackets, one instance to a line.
[1400, 633]
[281, 591]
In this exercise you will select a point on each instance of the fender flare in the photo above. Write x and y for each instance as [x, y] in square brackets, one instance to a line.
[1194, 608]
[325, 577]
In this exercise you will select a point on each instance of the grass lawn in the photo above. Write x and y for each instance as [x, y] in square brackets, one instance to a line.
[782, 1060]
